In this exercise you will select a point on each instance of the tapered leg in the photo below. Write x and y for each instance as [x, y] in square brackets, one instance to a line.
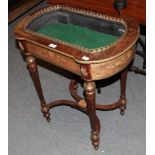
[144, 62]
[99, 90]
[143, 45]
[32, 67]
[90, 98]
[123, 80]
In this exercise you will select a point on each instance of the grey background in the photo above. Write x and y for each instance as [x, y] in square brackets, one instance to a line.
[69, 131]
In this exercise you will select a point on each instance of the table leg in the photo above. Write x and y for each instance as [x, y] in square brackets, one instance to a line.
[142, 54]
[123, 80]
[32, 67]
[90, 98]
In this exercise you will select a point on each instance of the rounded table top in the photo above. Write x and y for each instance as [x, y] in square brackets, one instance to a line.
[85, 36]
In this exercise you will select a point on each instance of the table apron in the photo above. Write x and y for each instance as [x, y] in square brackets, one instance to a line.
[53, 57]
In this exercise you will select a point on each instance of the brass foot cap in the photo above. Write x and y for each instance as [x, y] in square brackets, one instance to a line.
[96, 147]
[48, 119]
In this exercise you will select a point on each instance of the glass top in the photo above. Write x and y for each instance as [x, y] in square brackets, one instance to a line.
[77, 29]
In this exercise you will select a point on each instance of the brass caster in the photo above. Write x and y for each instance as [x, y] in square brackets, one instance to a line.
[46, 113]
[48, 119]
[122, 112]
[95, 140]
[122, 109]
[47, 116]
[96, 147]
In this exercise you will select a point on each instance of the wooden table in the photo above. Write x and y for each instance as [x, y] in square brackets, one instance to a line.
[54, 34]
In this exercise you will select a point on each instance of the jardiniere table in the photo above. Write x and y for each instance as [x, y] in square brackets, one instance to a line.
[92, 45]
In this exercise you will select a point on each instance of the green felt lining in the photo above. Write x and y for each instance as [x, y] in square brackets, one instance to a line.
[77, 35]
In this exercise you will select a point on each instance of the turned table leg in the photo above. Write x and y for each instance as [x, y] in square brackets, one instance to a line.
[90, 98]
[123, 80]
[32, 67]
